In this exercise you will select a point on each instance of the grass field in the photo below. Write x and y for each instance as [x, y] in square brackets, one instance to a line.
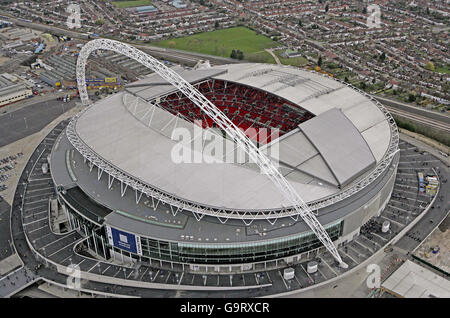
[222, 42]
[130, 4]
[444, 69]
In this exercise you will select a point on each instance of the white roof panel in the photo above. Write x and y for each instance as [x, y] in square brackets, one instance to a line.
[145, 152]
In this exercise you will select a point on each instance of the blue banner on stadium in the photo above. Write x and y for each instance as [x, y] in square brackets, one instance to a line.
[124, 240]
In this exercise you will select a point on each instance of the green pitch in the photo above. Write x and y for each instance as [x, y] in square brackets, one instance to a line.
[222, 42]
[130, 4]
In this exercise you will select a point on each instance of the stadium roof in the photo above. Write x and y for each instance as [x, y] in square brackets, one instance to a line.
[341, 146]
[348, 136]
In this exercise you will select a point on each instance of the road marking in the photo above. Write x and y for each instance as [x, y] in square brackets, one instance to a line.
[38, 229]
[348, 257]
[40, 179]
[394, 207]
[34, 214]
[60, 249]
[106, 269]
[131, 272]
[268, 276]
[64, 237]
[146, 270]
[356, 251]
[384, 239]
[323, 260]
[41, 189]
[362, 245]
[78, 265]
[282, 278]
[155, 276]
[167, 279]
[38, 195]
[298, 281]
[318, 269]
[65, 259]
[43, 201]
[118, 271]
[93, 267]
[312, 280]
[45, 218]
[400, 224]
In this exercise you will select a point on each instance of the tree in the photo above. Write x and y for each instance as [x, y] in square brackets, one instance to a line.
[233, 54]
[240, 55]
[383, 56]
[319, 61]
[326, 8]
[430, 66]
[364, 10]
[346, 79]
[216, 25]
[411, 97]
[300, 24]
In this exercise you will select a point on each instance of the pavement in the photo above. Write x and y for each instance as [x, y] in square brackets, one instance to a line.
[31, 119]
[5, 234]
[16, 281]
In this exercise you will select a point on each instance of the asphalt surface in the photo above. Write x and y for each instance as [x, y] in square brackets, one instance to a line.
[5, 233]
[425, 162]
[31, 119]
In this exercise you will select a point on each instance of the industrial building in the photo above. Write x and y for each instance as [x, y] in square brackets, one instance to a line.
[61, 73]
[13, 89]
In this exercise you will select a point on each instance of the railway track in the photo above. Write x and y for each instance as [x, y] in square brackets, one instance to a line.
[420, 119]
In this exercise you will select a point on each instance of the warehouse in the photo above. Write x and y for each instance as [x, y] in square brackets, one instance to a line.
[12, 89]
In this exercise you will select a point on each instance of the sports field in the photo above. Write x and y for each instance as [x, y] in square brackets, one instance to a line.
[130, 4]
[222, 42]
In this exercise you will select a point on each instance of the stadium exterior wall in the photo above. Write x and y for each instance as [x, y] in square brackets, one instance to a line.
[345, 230]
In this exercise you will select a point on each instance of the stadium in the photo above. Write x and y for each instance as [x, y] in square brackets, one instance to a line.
[120, 187]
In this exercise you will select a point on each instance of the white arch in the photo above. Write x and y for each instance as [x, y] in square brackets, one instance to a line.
[264, 163]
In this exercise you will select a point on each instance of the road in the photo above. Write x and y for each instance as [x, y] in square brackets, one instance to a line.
[31, 119]
[441, 117]
[426, 117]
[420, 119]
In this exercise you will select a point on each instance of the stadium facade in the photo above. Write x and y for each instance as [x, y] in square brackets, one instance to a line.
[117, 181]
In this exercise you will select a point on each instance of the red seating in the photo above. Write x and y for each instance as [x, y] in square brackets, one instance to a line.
[241, 100]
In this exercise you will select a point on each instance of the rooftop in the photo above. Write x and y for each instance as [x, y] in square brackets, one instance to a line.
[144, 148]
